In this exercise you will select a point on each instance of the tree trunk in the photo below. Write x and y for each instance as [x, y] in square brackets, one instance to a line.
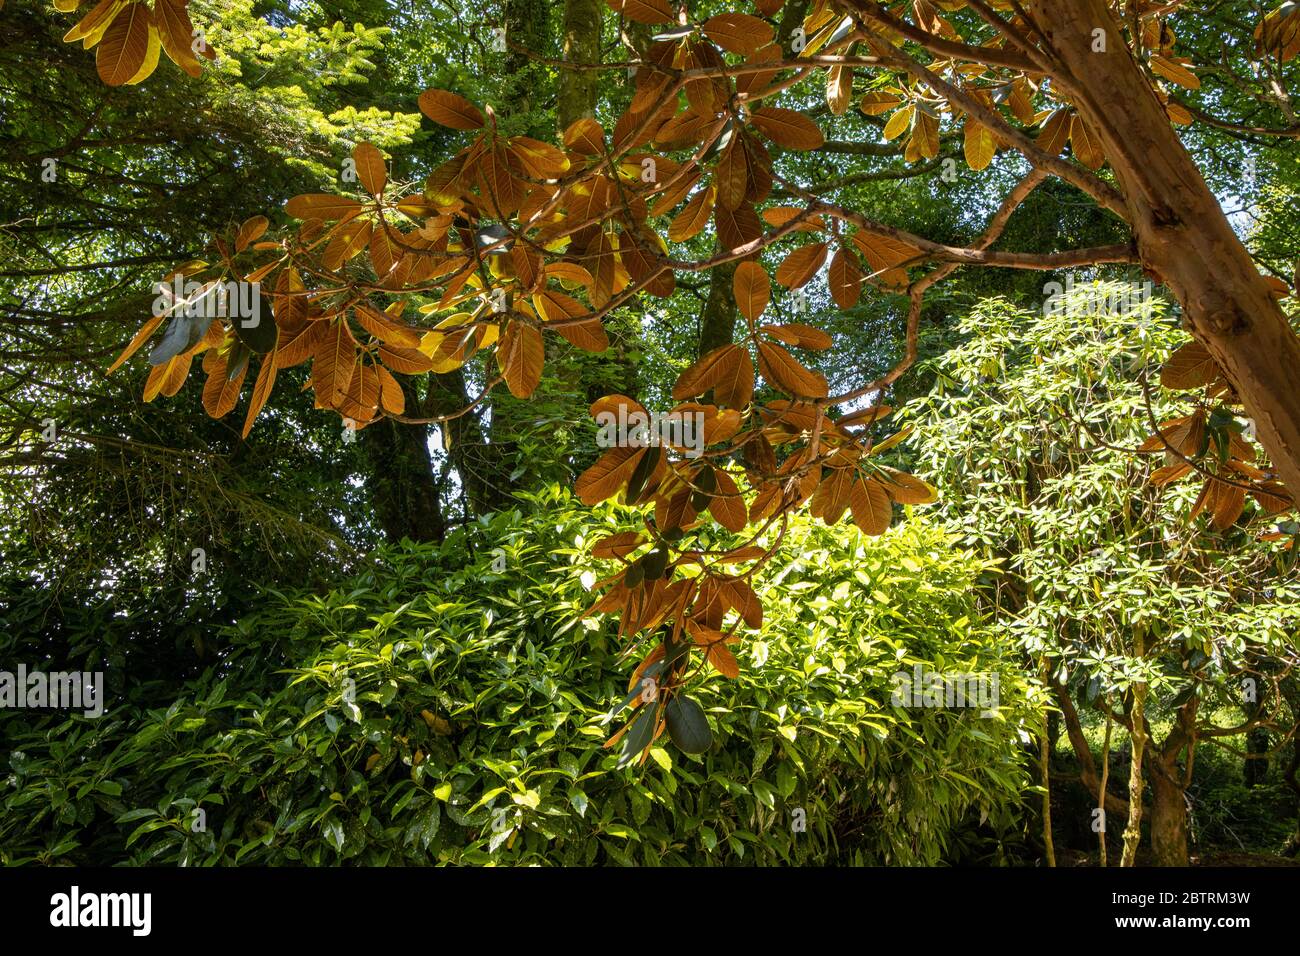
[1137, 734]
[718, 321]
[1116, 807]
[1045, 767]
[583, 20]
[1105, 778]
[403, 493]
[1168, 818]
[478, 464]
[1182, 234]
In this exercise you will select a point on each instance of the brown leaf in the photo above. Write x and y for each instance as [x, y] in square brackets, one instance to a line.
[335, 358]
[779, 215]
[94, 22]
[1051, 140]
[610, 473]
[1086, 145]
[832, 495]
[735, 385]
[736, 227]
[249, 232]
[616, 405]
[845, 278]
[322, 206]
[907, 489]
[1228, 505]
[540, 160]
[787, 128]
[1175, 70]
[617, 545]
[785, 372]
[406, 361]
[731, 178]
[261, 392]
[876, 103]
[121, 53]
[1169, 473]
[520, 355]
[390, 392]
[925, 133]
[176, 33]
[872, 511]
[450, 110]
[139, 339]
[643, 11]
[839, 89]
[753, 289]
[585, 136]
[167, 379]
[740, 597]
[361, 403]
[801, 265]
[694, 217]
[370, 168]
[707, 372]
[883, 253]
[799, 335]
[727, 505]
[384, 256]
[724, 661]
[382, 327]
[738, 32]
[555, 306]
[1191, 366]
[220, 392]
[978, 144]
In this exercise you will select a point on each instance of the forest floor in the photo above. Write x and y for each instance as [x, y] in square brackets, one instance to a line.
[1210, 858]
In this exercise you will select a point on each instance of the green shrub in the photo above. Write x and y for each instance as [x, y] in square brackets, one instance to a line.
[472, 731]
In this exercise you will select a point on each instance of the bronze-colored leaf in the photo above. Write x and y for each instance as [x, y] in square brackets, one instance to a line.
[724, 661]
[752, 288]
[708, 371]
[801, 265]
[1191, 366]
[907, 489]
[787, 128]
[261, 391]
[643, 11]
[391, 396]
[738, 32]
[121, 53]
[728, 506]
[1056, 131]
[371, 170]
[335, 357]
[1086, 145]
[585, 136]
[694, 217]
[871, 508]
[176, 31]
[978, 144]
[322, 206]
[520, 356]
[845, 278]
[450, 110]
[610, 473]
[785, 372]
[617, 545]
[799, 335]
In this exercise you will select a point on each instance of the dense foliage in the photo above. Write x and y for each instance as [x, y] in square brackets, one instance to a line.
[472, 730]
